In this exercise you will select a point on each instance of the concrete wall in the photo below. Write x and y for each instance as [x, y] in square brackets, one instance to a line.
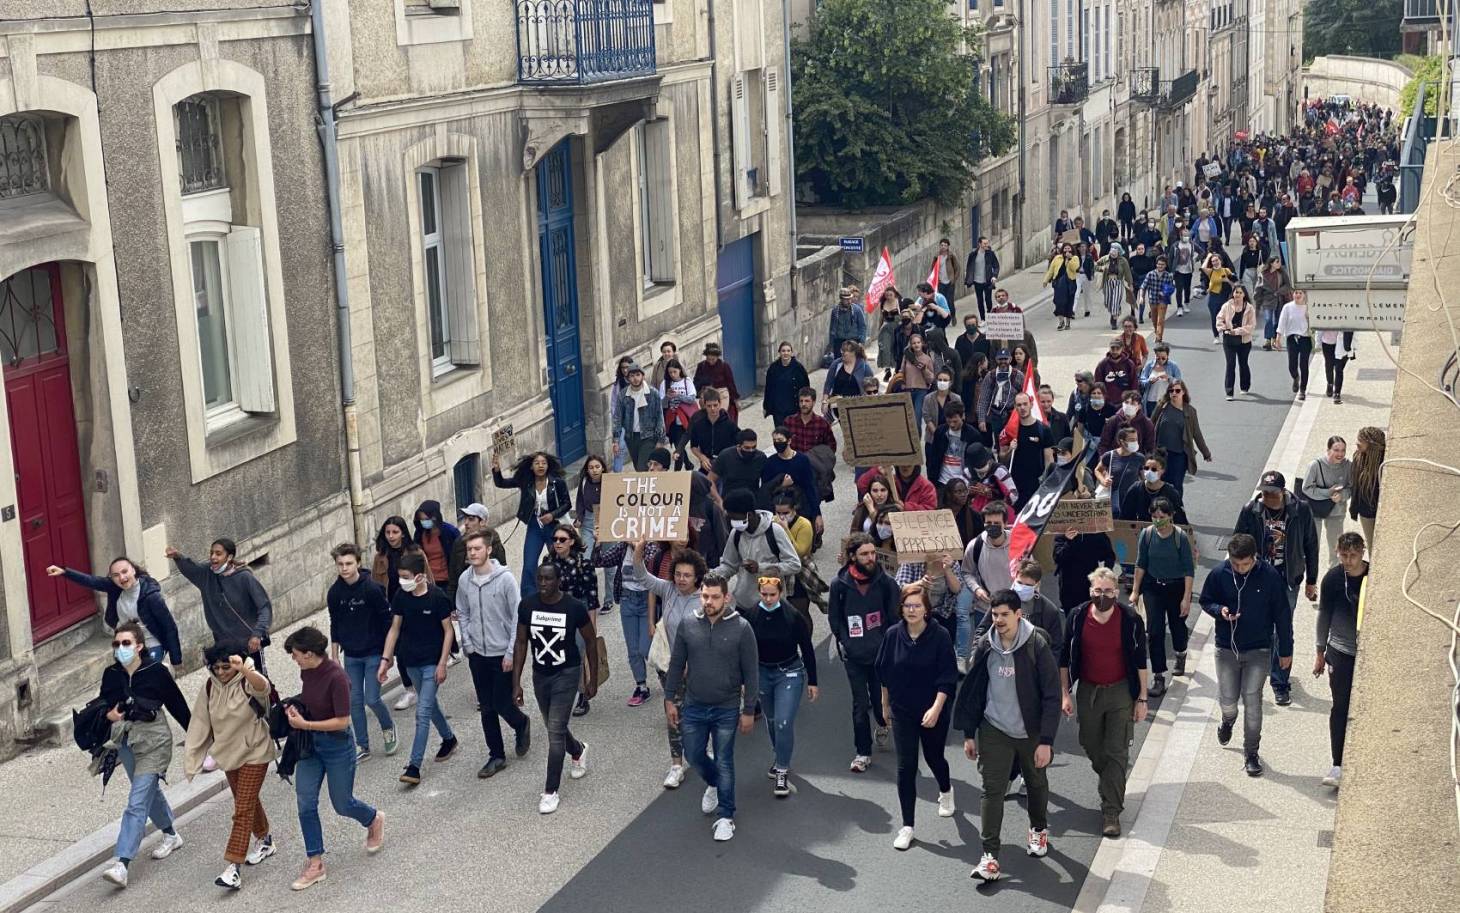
[1365, 78]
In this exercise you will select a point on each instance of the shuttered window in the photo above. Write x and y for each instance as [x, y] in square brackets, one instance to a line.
[448, 274]
[655, 161]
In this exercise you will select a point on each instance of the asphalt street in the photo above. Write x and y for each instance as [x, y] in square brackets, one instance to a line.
[622, 844]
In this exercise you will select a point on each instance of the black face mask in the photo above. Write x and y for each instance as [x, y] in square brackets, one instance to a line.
[1103, 601]
[971, 329]
[994, 530]
[781, 446]
[746, 454]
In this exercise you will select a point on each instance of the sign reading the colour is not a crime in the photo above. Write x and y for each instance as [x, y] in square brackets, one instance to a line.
[644, 505]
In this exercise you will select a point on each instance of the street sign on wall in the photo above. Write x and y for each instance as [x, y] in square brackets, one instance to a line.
[852, 245]
[1380, 309]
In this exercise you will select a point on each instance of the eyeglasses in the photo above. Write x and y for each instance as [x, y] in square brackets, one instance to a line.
[562, 539]
[123, 643]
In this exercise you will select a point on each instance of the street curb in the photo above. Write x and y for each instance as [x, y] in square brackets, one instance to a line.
[47, 877]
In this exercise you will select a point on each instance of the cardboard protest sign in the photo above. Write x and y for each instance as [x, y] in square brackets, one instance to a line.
[1004, 325]
[1212, 169]
[1070, 237]
[647, 505]
[504, 445]
[920, 534]
[1083, 515]
[880, 430]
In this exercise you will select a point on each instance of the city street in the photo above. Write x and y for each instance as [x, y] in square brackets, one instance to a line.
[622, 843]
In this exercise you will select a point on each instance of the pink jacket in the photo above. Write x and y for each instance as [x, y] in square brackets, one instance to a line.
[1245, 329]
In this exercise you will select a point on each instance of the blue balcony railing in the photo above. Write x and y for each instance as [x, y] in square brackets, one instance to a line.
[578, 42]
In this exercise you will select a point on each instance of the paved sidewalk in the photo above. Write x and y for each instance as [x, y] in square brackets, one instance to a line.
[1206, 833]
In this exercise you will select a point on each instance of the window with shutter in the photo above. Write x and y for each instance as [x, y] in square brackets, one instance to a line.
[657, 177]
[248, 305]
[774, 112]
[461, 286]
[740, 140]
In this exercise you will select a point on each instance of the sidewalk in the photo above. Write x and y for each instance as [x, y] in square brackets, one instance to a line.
[1205, 833]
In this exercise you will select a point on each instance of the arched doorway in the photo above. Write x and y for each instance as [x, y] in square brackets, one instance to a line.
[50, 497]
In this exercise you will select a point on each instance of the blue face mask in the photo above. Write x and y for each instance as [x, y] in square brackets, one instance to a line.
[428, 524]
[220, 568]
[770, 608]
[125, 655]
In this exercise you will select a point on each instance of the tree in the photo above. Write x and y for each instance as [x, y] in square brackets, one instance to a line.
[1363, 28]
[888, 107]
[1430, 70]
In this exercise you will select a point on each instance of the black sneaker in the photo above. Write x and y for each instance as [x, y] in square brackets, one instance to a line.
[770, 773]
[524, 738]
[581, 708]
[1157, 686]
[1253, 765]
[783, 784]
[491, 768]
[1224, 731]
[411, 775]
[1328, 392]
[1283, 696]
[447, 749]
[1180, 664]
[1295, 385]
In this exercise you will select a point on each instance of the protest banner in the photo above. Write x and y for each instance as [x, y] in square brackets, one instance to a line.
[647, 505]
[1083, 515]
[921, 534]
[1211, 169]
[879, 430]
[1032, 520]
[504, 445]
[1004, 325]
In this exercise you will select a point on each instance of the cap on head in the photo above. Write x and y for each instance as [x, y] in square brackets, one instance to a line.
[661, 456]
[1272, 482]
[739, 501]
[475, 510]
[634, 368]
[1003, 355]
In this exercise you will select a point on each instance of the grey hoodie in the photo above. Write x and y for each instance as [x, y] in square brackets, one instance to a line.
[486, 611]
[1002, 708]
[755, 546]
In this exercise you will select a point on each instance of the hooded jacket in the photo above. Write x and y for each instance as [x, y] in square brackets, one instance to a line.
[1132, 639]
[447, 533]
[778, 560]
[359, 616]
[152, 609]
[225, 725]
[234, 604]
[1260, 600]
[868, 614]
[1041, 612]
[486, 611]
[1300, 541]
[1036, 684]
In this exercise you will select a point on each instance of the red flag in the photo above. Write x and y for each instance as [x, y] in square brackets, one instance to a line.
[933, 275]
[882, 278]
[1011, 427]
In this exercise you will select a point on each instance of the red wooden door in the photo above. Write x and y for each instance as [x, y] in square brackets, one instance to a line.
[51, 505]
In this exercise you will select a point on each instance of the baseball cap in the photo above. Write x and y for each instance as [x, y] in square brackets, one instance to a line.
[1272, 481]
[1002, 353]
[474, 510]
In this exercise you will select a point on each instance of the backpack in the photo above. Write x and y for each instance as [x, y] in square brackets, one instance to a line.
[89, 725]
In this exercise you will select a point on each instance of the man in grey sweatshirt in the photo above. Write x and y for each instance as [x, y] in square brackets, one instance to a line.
[715, 657]
[486, 612]
[757, 548]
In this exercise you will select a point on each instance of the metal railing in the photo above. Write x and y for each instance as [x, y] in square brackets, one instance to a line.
[1176, 92]
[578, 42]
[1145, 83]
[1069, 84]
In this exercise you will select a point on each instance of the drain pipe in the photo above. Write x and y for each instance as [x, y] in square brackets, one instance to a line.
[325, 125]
[790, 136]
[715, 121]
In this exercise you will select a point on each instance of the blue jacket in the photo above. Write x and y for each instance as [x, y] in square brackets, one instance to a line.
[1260, 599]
[847, 323]
[151, 609]
[651, 415]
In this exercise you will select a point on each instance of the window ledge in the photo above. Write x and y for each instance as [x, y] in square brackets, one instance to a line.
[453, 376]
[237, 429]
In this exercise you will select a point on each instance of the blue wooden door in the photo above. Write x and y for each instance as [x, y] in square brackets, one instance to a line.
[735, 283]
[560, 299]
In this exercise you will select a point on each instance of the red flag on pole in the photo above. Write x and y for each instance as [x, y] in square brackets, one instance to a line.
[1031, 389]
[882, 278]
[933, 275]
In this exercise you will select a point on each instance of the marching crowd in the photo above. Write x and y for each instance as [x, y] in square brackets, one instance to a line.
[991, 643]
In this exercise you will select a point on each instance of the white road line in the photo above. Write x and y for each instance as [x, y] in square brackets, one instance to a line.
[1121, 872]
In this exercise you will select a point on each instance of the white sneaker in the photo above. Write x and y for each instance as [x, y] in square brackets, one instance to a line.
[116, 874]
[166, 845]
[945, 804]
[230, 878]
[407, 700]
[1038, 842]
[548, 803]
[710, 801]
[674, 777]
[1335, 775]
[724, 829]
[987, 869]
[904, 838]
[261, 850]
[578, 767]
[860, 764]
[1015, 787]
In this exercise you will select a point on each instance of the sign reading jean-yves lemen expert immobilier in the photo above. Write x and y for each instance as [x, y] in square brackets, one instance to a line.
[644, 505]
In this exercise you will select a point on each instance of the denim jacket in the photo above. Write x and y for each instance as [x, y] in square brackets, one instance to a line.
[651, 414]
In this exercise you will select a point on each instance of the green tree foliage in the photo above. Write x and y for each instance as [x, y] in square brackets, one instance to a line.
[1362, 28]
[1430, 70]
[888, 107]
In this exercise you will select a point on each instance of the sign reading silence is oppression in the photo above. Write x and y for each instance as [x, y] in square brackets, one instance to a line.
[643, 505]
[922, 534]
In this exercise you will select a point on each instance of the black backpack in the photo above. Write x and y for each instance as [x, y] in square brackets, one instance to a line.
[89, 725]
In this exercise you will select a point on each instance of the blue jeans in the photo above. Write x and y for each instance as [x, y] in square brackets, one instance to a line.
[634, 614]
[623, 451]
[917, 403]
[333, 760]
[534, 540]
[698, 723]
[155, 654]
[781, 688]
[365, 691]
[1281, 677]
[963, 608]
[1175, 474]
[144, 800]
[427, 712]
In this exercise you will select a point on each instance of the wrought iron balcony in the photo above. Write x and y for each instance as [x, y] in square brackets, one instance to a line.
[581, 42]
[1069, 84]
[1145, 84]
[1176, 92]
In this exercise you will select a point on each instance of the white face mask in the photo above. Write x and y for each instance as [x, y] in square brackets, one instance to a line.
[1063, 460]
[1132, 446]
[1151, 475]
[1129, 410]
[737, 525]
[945, 384]
[1025, 591]
[408, 584]
[884, 531]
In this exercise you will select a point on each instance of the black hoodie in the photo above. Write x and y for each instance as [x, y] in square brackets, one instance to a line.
[859, 619]
[359, 616]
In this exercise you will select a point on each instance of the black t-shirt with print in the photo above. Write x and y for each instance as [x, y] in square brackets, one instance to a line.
[421, 632]
[552, 630]
[1276, 523]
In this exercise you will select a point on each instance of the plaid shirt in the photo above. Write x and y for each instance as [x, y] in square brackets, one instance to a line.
[1154, 286]
[807, 434]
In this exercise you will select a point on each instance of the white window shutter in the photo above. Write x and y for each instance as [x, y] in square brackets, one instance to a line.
[661, 180]
[461, 284]
[248, 323]
[774, 111]
[740, 139]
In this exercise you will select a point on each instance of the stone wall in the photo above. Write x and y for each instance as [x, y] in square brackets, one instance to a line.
[1365, 78]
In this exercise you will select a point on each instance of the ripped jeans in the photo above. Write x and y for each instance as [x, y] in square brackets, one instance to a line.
[781, 687]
